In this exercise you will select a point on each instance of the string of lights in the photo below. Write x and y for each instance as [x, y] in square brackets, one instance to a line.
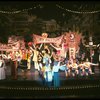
[18, 11]
[79, 12]
[60, 7]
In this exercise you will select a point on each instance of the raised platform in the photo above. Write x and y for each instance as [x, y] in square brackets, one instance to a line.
[32, 86]
[75, 88]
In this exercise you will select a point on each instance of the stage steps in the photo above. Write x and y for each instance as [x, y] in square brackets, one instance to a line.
[32, 89]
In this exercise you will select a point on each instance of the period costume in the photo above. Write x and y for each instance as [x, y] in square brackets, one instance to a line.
[2, 69]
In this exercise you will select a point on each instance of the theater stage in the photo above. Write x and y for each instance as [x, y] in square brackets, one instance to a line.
[32, 86]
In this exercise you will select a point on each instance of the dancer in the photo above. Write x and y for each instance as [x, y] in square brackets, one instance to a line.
[74, 68]
[87, 67]
[35, 57]
[2, 69]
[47, 63]
[68, 68]
[81, 68]
[61, 50]
[35, 50]
[28, 59]
[55, 71]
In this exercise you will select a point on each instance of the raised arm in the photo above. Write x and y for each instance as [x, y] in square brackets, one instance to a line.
[34, 46]
[54, 46]
[51, 55]
[80, 65]
[41, 54]
[94, 64]
[62, 67]
[31, 48]
[41, 46]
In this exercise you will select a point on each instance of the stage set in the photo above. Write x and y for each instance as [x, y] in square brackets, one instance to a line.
[49, 60]
[60, 67]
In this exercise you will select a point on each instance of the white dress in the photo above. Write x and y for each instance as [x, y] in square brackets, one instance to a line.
[2, 70]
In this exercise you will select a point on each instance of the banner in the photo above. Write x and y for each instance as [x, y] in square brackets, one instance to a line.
[4, 47]
[39, 39]
[73, 40]
[14, 43]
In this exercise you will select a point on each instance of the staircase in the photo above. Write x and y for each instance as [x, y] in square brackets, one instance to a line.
[32, 89]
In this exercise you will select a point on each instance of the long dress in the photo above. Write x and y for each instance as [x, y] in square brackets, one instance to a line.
[56, 78]
[35, 59]
[48, 72]
[55, 72]
[2, 70]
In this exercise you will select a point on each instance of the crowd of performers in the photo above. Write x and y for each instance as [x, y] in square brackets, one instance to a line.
[49, 63]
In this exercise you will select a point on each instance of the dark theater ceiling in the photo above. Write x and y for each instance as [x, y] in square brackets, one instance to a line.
[83, 14]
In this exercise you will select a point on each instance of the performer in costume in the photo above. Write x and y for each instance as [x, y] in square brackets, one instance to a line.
[81, 68]
[87, 67]
[35, 57]
[74, 68]
[2, 69]
[55, 71]
[47, 62]
[35, 50]
[68, 68]
[61, 50]
[29, 59]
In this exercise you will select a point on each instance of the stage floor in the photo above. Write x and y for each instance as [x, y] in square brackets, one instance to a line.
[31, 86]
[33, 75]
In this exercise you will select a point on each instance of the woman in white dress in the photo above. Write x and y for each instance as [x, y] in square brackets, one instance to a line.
[2, 69]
